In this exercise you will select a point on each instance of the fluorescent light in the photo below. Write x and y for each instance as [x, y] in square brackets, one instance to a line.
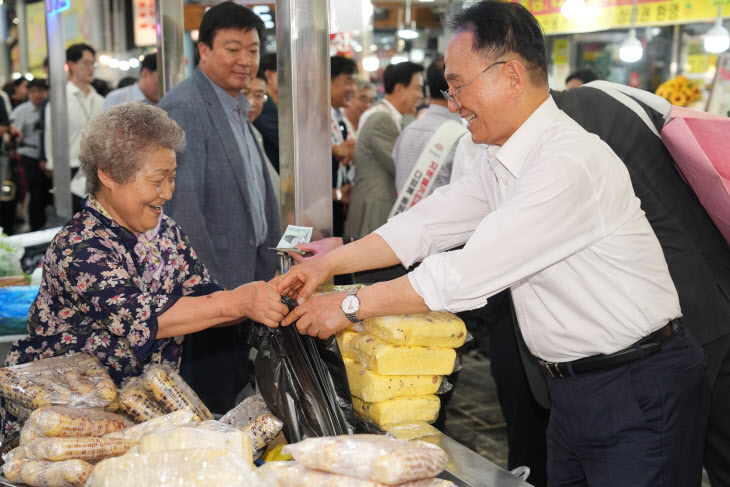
[370, 63]
[103, 59]
[631, 49]
[407, 34]
[717, 39]
[124, 65]
[398, 59]
[134, 63]
[573, 8]
[114, 63]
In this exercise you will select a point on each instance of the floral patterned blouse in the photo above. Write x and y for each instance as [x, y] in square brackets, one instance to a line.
[104, 288]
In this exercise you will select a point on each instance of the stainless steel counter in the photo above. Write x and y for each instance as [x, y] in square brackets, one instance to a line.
[469, 469]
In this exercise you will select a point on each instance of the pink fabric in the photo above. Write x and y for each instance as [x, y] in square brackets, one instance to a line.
[692, 113]
[699, 144]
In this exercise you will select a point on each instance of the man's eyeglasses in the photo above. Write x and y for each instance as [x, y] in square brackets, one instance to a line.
[452, 97]
[256, 96]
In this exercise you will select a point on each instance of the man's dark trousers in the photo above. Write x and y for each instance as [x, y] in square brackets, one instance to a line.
[639, 425]
[38, 186]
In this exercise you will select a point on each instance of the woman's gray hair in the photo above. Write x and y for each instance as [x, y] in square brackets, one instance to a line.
[118, 139]
[361, 84]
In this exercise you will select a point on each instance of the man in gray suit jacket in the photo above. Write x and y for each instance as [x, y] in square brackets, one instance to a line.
[224, 198]
[373, 192]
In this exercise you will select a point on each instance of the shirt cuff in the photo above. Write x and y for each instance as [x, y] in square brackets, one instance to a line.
[143, 350]
[407, 239]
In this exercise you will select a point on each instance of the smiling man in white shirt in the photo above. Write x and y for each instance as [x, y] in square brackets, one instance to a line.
[549, 212]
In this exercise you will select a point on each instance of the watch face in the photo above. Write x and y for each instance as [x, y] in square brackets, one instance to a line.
[350, 304]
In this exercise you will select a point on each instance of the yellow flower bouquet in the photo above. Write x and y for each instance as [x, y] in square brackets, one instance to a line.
[680, 91]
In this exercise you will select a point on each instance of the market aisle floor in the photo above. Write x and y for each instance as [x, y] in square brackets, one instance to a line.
[473, 415]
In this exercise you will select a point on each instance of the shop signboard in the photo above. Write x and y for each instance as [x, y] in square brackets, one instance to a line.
[145, 32]
[35, 21]
[616, 14]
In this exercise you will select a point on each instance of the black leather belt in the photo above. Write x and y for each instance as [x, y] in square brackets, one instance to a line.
[648, 345]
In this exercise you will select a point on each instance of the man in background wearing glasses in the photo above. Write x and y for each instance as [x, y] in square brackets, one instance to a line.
[82, 103]
[548, 211]
[256, 95]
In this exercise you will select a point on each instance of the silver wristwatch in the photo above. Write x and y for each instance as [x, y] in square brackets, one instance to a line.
[351, 305]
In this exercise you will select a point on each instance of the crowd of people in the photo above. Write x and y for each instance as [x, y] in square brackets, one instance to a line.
[574, 234]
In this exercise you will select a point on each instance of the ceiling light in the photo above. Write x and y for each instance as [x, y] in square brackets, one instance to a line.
[134, 63]
[114, 63]
[124, 65]
[573, 8]
[631, 49]
[717, 39]
[398, 59]
[407, 34]
[370, 63]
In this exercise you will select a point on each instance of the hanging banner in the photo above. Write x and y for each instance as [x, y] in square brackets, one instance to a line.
[616, 14]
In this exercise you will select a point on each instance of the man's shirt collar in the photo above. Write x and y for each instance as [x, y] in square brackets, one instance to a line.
[514, 152]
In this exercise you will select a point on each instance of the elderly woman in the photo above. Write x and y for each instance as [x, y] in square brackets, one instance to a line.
[120, 279]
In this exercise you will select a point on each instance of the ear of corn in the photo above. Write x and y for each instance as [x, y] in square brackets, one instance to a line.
[135, 402]
[263, 430]
[14, 468]
[168, 388]
[59, 449]
[76, 380]
[71, 473]
[73, 422]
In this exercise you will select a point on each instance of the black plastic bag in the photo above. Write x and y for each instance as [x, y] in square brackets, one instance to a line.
[303, 381]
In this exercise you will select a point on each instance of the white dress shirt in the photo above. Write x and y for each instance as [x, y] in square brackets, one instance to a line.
[553, 216]
[80, 109]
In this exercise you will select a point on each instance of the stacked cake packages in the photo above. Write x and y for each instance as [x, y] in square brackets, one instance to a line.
[395, 365]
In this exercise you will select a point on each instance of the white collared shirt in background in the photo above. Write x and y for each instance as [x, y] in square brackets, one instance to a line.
[80, 109]
[553, 216]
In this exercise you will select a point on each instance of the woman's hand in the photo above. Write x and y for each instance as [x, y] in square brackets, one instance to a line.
[261, 302]
[321, 316]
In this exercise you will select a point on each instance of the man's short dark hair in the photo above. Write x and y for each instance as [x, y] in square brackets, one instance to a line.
[268, 62]
[260, 74]
[20, 81]
[341, 65]
[435, 78]
[503, 27]
[39, 83]
[585, 75]
[149, 62]
[126, 81]
[76, 52]
[228, 15]
[401, 73]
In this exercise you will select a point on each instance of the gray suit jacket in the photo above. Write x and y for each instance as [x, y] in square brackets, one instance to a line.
[211, 196]
[373, 192]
